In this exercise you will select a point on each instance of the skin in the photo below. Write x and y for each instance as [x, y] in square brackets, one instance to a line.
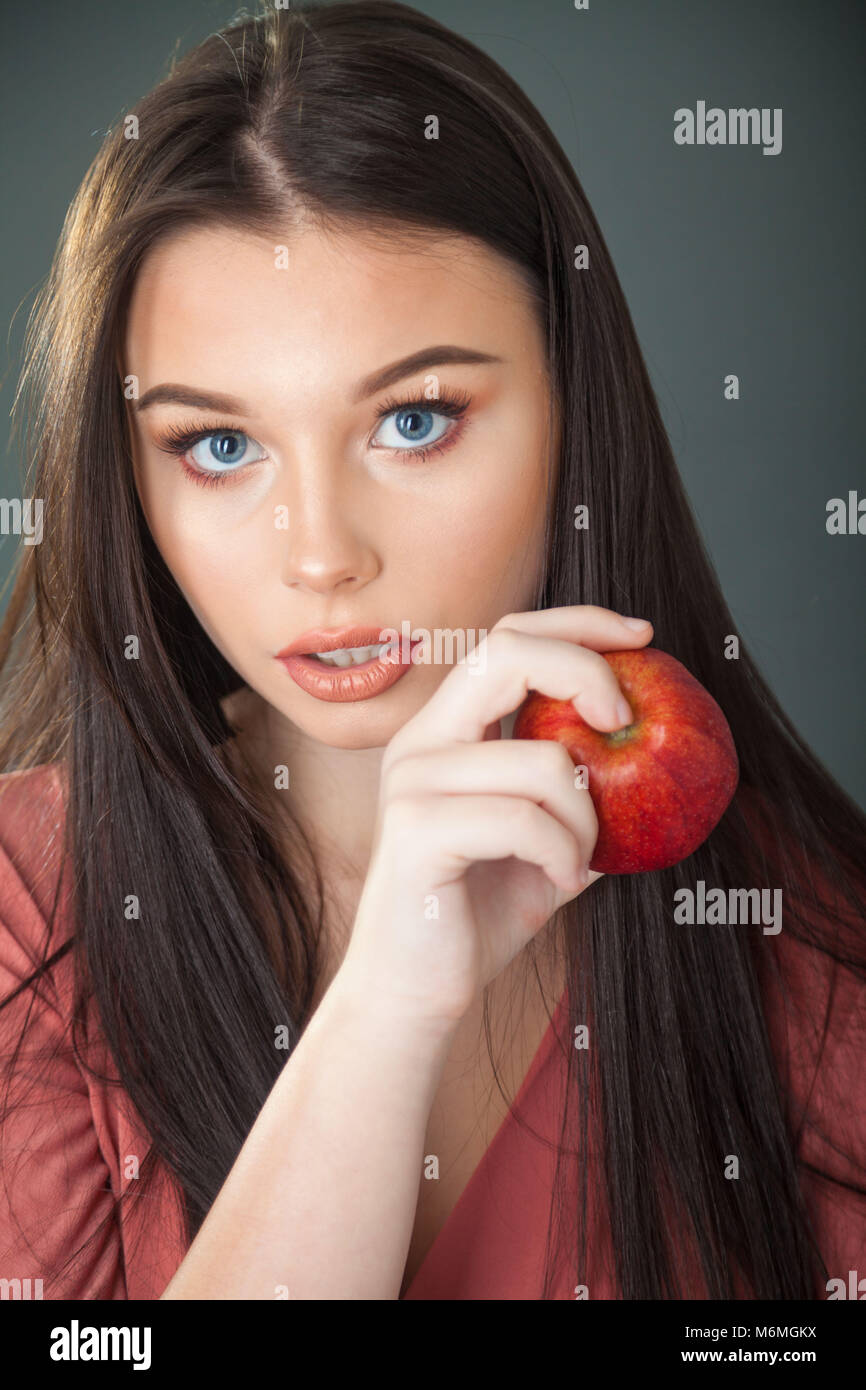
[453, 542]
[375, 534]
[408, 793]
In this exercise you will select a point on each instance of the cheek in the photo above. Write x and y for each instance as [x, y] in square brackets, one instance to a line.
[213, 563]
[495, 525]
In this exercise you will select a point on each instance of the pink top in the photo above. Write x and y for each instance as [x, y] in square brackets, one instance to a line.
[67, 1149]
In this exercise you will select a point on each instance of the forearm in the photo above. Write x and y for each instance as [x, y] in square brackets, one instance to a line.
[322, 1196]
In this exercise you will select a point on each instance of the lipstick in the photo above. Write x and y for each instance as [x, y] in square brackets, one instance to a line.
[339, 683]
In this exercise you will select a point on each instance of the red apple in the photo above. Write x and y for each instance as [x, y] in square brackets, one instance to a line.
[660, 785]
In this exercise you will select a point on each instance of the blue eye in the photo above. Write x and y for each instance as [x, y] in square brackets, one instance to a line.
[412, 425]
[212, 456]
[222, 451]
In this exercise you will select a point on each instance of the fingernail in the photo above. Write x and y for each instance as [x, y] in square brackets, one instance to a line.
[634, 622]
[623, 712]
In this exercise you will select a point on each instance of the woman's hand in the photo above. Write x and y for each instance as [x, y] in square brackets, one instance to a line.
[479, 841]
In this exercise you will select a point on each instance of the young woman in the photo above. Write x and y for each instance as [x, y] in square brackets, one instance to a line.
[299, 951]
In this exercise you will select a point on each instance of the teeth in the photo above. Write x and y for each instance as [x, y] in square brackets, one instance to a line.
[350, 656]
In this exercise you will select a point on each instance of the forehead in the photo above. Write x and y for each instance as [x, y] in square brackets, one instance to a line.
[205, 294]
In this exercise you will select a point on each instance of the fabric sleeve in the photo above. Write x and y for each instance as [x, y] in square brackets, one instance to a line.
[55, 1187]
[834, 1141]
[816, 1014]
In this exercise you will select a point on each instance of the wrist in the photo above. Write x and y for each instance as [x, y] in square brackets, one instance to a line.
[361, 994]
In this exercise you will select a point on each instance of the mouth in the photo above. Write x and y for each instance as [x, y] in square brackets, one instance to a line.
[347, 664]
[342, 657]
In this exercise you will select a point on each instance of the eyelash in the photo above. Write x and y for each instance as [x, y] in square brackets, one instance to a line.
[177, 440]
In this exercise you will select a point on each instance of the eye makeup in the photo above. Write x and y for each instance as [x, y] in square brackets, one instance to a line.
[453, 404]
[179, 439]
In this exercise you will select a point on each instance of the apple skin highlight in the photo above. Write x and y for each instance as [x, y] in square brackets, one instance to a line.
[660, 786]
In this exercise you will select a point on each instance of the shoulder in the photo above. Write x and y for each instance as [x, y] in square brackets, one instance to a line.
[818, 952]
[31, 811]
[813, 983]
[30, 799]
[32, 883]
[59, 1154]
[812, 976]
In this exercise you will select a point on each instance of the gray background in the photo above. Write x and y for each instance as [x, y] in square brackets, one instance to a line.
[731, 260]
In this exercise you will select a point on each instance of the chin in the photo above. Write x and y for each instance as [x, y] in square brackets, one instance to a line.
[356, 728]
[352, 724]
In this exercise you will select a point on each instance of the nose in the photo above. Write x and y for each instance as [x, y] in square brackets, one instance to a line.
[326, 541]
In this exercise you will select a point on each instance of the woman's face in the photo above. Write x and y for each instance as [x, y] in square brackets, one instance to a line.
[309, 505]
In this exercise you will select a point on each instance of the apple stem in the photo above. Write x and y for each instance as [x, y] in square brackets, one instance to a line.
[620, 735]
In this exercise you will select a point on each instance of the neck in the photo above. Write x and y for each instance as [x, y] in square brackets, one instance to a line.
[334, 796]
[332, 792]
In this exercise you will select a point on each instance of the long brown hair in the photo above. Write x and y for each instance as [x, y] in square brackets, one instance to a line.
[154, 805]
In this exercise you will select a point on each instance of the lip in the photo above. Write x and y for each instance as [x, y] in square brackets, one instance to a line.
[335, 683]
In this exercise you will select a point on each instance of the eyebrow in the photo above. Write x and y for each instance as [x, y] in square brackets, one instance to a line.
[170, 393]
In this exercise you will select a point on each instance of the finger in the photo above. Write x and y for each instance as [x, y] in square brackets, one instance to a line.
[541, 772]
[512, 662]
[454, 832]
[586, 623]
